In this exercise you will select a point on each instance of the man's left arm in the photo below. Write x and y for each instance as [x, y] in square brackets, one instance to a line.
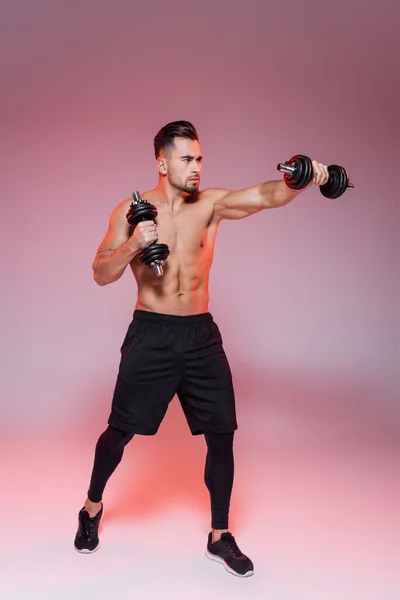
[271, 194]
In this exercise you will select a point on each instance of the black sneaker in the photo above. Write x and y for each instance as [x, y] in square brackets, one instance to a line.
[227, 552]
[87, 538]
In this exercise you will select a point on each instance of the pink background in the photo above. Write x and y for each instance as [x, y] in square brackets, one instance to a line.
[306, 297]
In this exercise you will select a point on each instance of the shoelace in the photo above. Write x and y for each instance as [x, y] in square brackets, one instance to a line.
[232, 545]
[87, 526]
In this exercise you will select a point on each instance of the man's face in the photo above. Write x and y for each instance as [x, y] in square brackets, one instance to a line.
[182, 165]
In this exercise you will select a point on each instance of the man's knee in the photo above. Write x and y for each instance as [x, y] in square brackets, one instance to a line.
[220, 445]
[113, 438]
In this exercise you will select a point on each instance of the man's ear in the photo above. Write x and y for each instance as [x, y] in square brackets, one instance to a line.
[162, 165]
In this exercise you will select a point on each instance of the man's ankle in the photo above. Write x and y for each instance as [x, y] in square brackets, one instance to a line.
[93, 508]
[216, 534]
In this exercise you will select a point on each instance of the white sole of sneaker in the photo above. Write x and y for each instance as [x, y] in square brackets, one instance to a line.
[220, 560]
[86, 551]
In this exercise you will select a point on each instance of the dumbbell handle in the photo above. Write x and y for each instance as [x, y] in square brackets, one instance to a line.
[137, 198]
[285, 168]
[157, 268]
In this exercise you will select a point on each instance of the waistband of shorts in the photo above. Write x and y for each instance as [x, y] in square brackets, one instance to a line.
[145, 315]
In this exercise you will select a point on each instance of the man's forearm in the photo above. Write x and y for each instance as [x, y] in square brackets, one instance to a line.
[277, 193]
[110, 265]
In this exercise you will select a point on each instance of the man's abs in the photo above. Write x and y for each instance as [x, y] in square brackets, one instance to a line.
[179, 291]
[181, 304]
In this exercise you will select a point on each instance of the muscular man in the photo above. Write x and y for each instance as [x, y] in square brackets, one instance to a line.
[173, 346]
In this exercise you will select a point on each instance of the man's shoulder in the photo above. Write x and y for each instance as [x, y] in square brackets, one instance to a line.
[124, 205]
[209, 198]
[214, 194]
[121, 209]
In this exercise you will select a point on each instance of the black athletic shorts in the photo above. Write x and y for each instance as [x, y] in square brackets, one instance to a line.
[163, 355]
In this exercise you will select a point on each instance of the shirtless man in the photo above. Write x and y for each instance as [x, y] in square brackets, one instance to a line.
[173, 346]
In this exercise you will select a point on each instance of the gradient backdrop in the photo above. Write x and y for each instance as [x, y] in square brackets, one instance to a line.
[306, 297]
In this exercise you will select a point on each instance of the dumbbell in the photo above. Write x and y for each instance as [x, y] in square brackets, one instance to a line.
[298, 172]
[155, 254]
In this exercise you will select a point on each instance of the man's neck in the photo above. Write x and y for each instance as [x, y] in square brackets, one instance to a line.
[170, 198]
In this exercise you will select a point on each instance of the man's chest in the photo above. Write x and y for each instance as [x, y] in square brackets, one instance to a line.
[189, 230]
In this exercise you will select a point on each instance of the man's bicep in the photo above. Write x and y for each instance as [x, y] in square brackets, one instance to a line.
[118, 233]
[238, 204]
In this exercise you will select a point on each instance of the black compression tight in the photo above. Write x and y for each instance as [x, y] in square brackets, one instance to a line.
[109, 450]
[218, 475]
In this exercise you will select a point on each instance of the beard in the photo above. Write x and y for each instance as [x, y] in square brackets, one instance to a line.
[189, 187]
[184, 185]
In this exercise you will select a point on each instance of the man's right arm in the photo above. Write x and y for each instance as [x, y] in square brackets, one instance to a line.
[118, 247]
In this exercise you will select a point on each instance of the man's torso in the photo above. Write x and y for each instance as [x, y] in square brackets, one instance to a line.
[190, 235]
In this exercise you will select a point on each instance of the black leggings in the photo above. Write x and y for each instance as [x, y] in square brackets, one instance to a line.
[218, 475]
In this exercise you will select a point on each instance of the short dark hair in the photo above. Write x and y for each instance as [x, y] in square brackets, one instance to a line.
[165, 137]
